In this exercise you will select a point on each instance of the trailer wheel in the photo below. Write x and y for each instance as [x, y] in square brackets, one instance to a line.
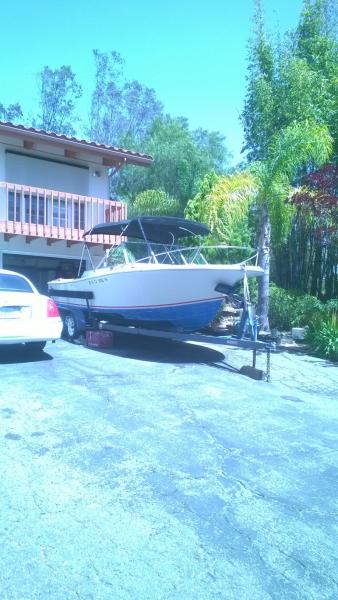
[70, 327]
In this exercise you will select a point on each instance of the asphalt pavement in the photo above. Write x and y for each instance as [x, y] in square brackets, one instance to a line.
[154, 471]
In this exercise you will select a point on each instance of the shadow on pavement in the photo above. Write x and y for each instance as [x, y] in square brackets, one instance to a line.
[161, 350]
[18, 353]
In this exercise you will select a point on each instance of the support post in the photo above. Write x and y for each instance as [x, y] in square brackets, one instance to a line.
[268, 364]
[254, 356]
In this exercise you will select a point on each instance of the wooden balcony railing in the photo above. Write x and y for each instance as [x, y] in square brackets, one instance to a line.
[42, 213]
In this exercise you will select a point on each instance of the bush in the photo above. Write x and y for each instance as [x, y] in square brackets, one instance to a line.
[288, 309]
[154, 202]
[281, 306]
[322, 336]
[307, 308]
[331, 306]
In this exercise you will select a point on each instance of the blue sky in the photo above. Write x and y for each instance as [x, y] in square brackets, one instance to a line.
[192, 53]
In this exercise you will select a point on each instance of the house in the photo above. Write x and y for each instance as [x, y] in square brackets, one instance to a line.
[53, 189]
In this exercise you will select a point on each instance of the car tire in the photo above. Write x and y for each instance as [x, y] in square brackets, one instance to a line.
[35, 346]
[70, 327]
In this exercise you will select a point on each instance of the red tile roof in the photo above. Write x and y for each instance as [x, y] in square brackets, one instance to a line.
[116, 154]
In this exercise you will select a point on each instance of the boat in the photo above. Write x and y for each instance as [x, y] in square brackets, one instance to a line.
[170, 286]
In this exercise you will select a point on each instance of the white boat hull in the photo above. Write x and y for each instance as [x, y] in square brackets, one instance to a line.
[181, 297]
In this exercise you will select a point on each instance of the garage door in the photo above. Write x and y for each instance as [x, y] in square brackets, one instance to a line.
[41, 269]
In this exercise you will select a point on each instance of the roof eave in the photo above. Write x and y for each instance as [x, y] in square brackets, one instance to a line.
[118, 156]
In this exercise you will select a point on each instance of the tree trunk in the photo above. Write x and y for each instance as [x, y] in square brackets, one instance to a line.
[264, 262]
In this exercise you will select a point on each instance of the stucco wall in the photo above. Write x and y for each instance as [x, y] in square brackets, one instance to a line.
[46, 174]
[47, 167]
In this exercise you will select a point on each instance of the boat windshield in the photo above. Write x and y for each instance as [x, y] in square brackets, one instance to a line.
[139, 252]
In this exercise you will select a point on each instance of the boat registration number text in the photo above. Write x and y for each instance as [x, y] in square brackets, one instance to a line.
[99, 280]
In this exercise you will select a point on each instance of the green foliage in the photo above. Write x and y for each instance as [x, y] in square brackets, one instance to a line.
[280, 306]
[304, 94]
[212, 144]
[331, 306]
[289, 309]
[196, 207]
[322, 336]
[290, 119]
[154, 202]
[259, 113]
[315, 42]
[306, 308]
[58, 93]
[315, 38]
[293, 147]
[297, 144]
[179, 161]
[293, 81]
[222, 202]
[127, 114]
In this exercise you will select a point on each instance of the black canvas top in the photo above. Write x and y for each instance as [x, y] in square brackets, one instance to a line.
[163, 230]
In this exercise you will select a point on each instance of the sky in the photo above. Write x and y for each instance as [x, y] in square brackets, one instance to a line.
[192, 53]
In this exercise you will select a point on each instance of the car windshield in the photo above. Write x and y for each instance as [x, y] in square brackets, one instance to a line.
[13, 283]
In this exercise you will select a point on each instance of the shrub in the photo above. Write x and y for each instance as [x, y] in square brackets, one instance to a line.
[154, 202]
[322, 336]
[307, 308]
[288, 309]
[281, 306]
[331, 306]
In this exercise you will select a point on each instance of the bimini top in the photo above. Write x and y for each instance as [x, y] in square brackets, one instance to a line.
[162, 230]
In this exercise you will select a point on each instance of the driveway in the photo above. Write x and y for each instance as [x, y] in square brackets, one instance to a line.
[153, 471]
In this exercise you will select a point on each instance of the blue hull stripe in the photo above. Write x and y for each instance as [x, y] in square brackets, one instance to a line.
[185, 317]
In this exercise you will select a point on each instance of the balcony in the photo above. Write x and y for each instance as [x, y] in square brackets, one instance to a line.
[41, 213]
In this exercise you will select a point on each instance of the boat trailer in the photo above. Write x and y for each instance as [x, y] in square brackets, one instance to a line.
[246, 331]
[205, 338]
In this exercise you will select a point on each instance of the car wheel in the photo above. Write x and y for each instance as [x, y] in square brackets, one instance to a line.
[70, 327]
[35, 346]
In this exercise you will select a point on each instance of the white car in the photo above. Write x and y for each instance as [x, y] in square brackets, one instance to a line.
[26, 316]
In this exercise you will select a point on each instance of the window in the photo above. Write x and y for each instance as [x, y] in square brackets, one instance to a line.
[14, 204]
[34, 209]
[59, 213]
[14, 283]
[26, 208]
[79, 216]
[38, 210]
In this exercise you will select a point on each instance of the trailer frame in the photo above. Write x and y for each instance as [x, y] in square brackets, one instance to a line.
[205, 338]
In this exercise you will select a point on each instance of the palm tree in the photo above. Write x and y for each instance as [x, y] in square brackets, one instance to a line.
[222, 202]
[294, 148]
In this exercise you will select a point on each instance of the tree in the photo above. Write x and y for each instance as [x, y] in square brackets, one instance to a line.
[141, 108]
[222, 202]
[128, 114]
[12, 113]
[290, 98]
[58, 93]
[293, 80]
[122, 112]
[179, 161]
[212, 144]
[312, 245]
[315, 41]
[105, 113]
[259, 113]
[154, 202]
[292, 148]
